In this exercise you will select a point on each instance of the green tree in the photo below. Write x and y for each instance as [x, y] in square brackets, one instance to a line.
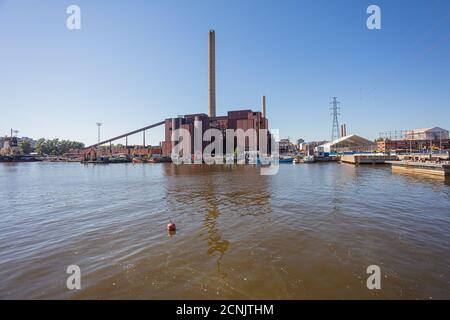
[25, 146]
[39, 143]
[56, 147]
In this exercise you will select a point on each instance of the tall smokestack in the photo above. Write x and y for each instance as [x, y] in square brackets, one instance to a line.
[212, 74]
[263, 106]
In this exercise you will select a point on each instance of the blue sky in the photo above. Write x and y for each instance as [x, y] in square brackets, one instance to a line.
[134, 63]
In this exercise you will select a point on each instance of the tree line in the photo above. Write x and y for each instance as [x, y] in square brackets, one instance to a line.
[51, 147]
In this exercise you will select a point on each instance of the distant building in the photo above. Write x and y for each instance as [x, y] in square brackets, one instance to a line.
[30, 140]
[386, 145]
[416, 141]
[435, 133]
[308, 147]
[19, 140]
[300, 145]
[286, 146]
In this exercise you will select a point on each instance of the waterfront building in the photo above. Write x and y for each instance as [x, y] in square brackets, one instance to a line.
[308, 147]
[387, 145]
[415, 140]
[234, 120]
[18, 141]
[435, 133]
[287, 147]
[240, 119]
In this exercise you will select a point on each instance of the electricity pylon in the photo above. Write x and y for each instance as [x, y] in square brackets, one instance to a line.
[335, 112]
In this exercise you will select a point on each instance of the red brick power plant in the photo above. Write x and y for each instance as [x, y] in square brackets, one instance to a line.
[239, 119]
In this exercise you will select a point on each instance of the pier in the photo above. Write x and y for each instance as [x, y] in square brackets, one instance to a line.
[357, 159]
[423, 168]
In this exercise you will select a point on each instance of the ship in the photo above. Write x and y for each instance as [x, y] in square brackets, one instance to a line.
[10, 152]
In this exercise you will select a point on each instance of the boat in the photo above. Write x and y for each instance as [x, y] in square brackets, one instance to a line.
[120, 158]
[98, 160]
[285, 159]
[151, 160]
[308, 159]
[160, 159]
[10, 152]
[138, 160]
[107, 160]
[19, 158]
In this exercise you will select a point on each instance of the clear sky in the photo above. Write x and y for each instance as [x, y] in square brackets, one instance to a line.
[134, 63]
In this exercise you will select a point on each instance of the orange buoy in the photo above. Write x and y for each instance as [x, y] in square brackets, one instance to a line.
[171, 227]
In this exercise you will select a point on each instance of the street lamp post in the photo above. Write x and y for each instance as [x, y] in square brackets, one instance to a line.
[99, 124]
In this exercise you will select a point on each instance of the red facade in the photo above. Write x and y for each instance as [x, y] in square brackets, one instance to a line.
[241, 119]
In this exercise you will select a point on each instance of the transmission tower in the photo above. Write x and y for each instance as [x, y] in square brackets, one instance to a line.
[335, 129]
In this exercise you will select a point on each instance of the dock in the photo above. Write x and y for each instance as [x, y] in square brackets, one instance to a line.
[423, 168]
[357, 159]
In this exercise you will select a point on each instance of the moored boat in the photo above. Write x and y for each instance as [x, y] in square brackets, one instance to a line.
[19, 158]
[151, 160]
[161, 159]
[308, 159]
[138, 160]
[285, 159]
[11, 152]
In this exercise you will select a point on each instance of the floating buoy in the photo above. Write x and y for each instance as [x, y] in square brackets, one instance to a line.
[171, 227]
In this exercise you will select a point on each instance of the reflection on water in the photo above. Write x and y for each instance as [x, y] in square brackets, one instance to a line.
[214, 239]
[215, 242]
[214, 195]
[308, 232]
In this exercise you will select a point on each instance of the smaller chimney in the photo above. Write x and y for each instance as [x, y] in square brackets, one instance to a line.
[263, 106]
[343, 130]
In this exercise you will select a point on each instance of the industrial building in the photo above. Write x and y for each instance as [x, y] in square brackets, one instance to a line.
[417, 140]
[240, 119]
[434, 133]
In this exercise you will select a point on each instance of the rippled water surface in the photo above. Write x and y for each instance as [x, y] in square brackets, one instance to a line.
[308, 232]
